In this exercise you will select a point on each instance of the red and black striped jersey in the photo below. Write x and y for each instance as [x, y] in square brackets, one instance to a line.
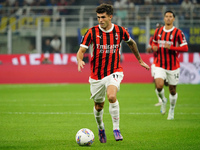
[166, 58]
[150, 45]
[105, 56]
[150, 41]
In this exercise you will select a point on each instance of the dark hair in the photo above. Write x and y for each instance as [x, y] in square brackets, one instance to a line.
[105, 8]
[169, 11]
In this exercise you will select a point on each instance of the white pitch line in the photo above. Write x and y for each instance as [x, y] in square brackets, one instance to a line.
[72, 113]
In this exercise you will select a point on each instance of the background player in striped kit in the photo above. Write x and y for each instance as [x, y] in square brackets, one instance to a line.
[106, 70]
[168, 41]
[149, 50]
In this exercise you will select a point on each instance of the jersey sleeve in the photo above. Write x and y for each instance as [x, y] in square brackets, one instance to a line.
[126, 36]
[86, 39]
[155, 39]
[181, 39]
[150, 41]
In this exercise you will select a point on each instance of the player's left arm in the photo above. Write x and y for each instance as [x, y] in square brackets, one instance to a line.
[183, 47]
[133, 46]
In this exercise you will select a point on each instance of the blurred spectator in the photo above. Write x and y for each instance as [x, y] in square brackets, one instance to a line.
[63, 11]
[109, 2]
[28, 2]
[168, 2]
[56, 44]
[100, 2]
[131, 7]
[2, 2]
[117, 4]
[122, 13]
[139, 2]
[147, 2]
[16, 7]
[121, 4]
[175, 2]
[47, 47]
[42, 2]
[124, 3]
[105, 1]
[31, 49]
[162, 2]
[153, 13]
[131, 4]
[186, 5]
[10, 2]
[52, 3]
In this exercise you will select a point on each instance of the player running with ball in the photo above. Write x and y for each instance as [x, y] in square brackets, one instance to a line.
[106, 71]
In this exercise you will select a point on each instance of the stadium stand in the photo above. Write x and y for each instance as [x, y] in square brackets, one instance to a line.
[22, 17]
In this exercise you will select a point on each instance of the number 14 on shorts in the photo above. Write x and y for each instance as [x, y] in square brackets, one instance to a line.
[176, 76]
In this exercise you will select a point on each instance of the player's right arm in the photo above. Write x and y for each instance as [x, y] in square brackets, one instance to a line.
[149, 49]
[85, 42]
[80, 55]
[154, 45]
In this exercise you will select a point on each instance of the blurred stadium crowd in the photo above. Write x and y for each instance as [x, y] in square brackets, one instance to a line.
[16, 3]
[20, 7]
[23, 16]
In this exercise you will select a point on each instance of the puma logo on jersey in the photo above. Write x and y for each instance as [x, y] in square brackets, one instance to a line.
[99, 36]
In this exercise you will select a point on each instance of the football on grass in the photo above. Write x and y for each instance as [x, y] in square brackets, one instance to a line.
[84, 137]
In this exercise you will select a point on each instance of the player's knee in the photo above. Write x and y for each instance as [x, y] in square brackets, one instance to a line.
[112, 98]
[159, 88]
[172, 90]
[99, 106]
[173, 93]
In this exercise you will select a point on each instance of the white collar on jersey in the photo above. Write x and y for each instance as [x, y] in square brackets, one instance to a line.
[107, 31]
[169, 29]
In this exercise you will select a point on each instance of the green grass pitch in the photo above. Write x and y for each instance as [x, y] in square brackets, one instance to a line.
[47, 117]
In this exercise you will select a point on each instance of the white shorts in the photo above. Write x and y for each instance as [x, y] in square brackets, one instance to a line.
[153, 70]
[172, 76]
[98, 87]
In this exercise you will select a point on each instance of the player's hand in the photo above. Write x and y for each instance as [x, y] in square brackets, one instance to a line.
[81, 65]
[149, 50]
[155, 48]
[167, 45]
[143, 64]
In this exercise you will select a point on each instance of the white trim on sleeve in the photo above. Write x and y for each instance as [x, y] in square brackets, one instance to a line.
[155, 41]
[84, 46]
[128, 39]
[183, 44]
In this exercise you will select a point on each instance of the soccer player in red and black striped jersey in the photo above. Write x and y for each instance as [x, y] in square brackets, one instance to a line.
[106, 70]
[168, 41]
[149, 50]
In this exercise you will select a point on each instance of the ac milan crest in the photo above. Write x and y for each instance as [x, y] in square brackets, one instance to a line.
[116, 36]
